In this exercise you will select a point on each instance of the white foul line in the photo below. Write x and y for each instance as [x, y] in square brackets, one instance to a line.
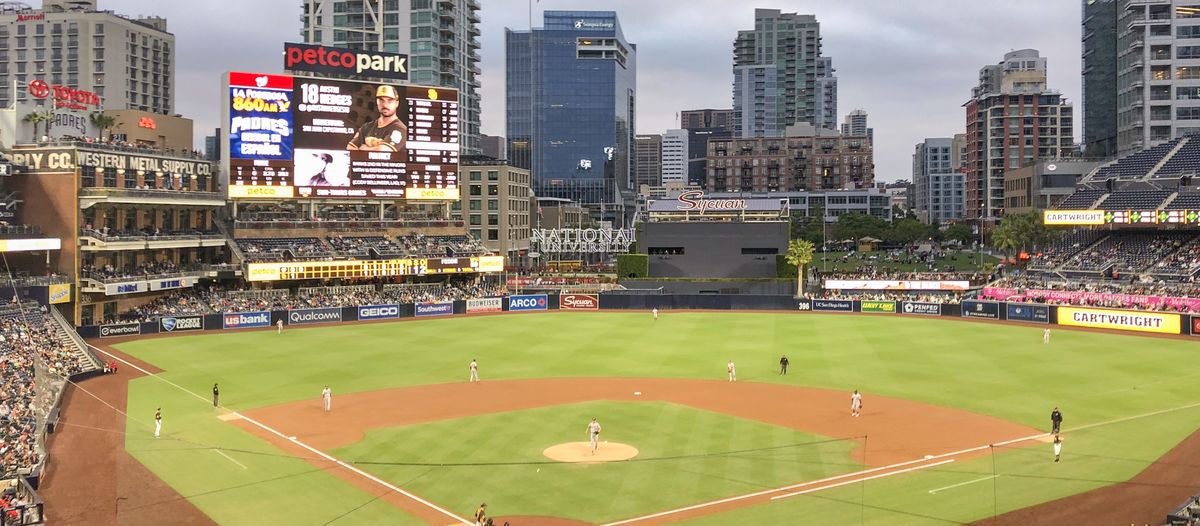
[222, 453]
[981, 479]
[293, 440]
[864, 479]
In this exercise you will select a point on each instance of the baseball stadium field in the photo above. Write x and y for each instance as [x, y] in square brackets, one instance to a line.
[953, 426]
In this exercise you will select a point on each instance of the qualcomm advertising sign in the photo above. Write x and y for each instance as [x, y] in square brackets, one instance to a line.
[434, 309]
[378, 312]
[244, 320]
[181, 323]
[922, 308]
[302, 316]
[1027, 312]
[529, 302]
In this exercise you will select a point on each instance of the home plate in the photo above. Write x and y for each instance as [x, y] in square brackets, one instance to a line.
[637, 393]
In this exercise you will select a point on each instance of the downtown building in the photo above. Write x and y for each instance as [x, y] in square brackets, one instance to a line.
[856, 124]
[571, 110]
[1099, 72]
[701, 126]
[937, 184]
[1013, 120]
[128, 62]
[807, 159]
[441, 39]
[776, 68]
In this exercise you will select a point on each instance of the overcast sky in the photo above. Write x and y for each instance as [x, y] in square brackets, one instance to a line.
[909, 63]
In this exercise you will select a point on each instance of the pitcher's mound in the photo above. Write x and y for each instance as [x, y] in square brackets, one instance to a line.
[582, 452]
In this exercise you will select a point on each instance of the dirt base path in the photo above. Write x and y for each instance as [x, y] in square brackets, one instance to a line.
[91, 480]
[1144, 499]
[899, 430]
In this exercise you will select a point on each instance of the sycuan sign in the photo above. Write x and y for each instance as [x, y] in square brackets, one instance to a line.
[694, 200]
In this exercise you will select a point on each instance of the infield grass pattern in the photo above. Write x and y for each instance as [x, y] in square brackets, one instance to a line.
[994, 369]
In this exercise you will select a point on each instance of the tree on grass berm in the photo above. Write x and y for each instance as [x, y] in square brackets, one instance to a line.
[800, 253]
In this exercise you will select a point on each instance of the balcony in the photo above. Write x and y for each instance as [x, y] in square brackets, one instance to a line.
[89, 196]
[94, 241]
[112, 285]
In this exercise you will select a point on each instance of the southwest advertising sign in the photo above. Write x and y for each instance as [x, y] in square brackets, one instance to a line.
[833, 305]
[528, 302]
[434, 309]
[1122, 320]
[921, 308]
[877, 306]
[345, 61]
[980, 309]
[120, 329]
[245, 320]
[579, 302]
[485, 305]
[304, 137]
[302, 316]
[181, 323]
[378, 312]
[1027, 312]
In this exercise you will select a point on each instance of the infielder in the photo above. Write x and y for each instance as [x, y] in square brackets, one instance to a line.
[855, 403]
[327, 397]
[279, 326]
[655, 311]
[732, 371]
[157, 422]
[481, 515]
[1057, 447]
[474, 371]
[1046, 335]
[593, 430]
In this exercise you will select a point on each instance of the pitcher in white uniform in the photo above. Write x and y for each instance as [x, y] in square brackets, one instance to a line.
[593, 430]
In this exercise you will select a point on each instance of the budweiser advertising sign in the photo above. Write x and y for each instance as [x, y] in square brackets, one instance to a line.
[578, 302]
[694, 200]
[64, 97]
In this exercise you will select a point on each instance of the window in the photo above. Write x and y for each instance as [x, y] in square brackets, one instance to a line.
[1188, 113]
[475, 175]
[476, 220]
[493, 234]
[493, 175]
[1187, 31]
[493, 204]
[474, 205]
[493, 189]
[1187, 72]
[493, 220]
[1187, 52]
[476, 189]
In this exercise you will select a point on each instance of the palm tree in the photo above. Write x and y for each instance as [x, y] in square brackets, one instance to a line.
[102, 122]
[1005, 239]
[37, 117]
[800, 253]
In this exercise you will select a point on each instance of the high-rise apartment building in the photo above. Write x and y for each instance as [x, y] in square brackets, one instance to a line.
[493, 146]
[807, 159]
[129, 63]
[938, 188]
[1100, 77]
[648, 160]
[1158, 72]
[856, 124]
[826, 97]
[696, 119]
[775, 70]
[441, 39]
[1013, 119]
[495, 204]
[675, 156]
[571, 109]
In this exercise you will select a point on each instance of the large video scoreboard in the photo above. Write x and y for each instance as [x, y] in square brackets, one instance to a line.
[301, 137]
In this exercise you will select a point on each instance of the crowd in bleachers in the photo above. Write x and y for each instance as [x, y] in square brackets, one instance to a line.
[875, 295]
[364, 247]
[105, 233]
[1165, 252]
[26, 336]
[198, 300]
[869, 272]
[110, 273]
[1171, 297]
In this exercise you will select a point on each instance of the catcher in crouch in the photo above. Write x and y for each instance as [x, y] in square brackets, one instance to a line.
[387, 133]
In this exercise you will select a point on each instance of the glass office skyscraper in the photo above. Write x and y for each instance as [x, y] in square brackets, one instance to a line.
[571, 91]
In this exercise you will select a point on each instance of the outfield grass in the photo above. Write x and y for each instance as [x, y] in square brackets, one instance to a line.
[989, 368]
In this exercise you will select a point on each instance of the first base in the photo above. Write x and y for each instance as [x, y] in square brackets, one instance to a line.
[637, 393]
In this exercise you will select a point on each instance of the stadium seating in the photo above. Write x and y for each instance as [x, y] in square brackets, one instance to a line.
[1185, 201]
[1128, 252]
[1135, 200]
[283, 248]
[1134, 165]
[1068, 246]
[1082, 199]
[1182, 264]
[1183, 162]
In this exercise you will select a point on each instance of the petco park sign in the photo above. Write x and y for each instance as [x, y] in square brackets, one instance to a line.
[583, 240]
[344, 61]
[694, 200]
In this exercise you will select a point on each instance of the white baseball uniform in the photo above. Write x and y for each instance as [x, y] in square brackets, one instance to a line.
[855, 403]
[157, 424]
[474, 371]
[1046, 336]
[1057, 450]
[327, 397]
[279, 327]
[594, 434]
[655, 311]
[732, 372]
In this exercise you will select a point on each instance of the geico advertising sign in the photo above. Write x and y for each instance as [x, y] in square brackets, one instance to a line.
[1157, 322]
[1073, 217]
[485, 305]
[302, 316]
[120, 329]
[578, 302]
[378, 312]
[181, 323]
[344, 61]
[244, 320]
[531, 302]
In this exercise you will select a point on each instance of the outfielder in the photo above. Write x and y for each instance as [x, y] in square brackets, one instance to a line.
[279, 326]
[327, 398]
[593, 430]
[157, 422]
[474, 371]
[732, 371]
[655, 311]
[1046, 335]
[855, 403]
